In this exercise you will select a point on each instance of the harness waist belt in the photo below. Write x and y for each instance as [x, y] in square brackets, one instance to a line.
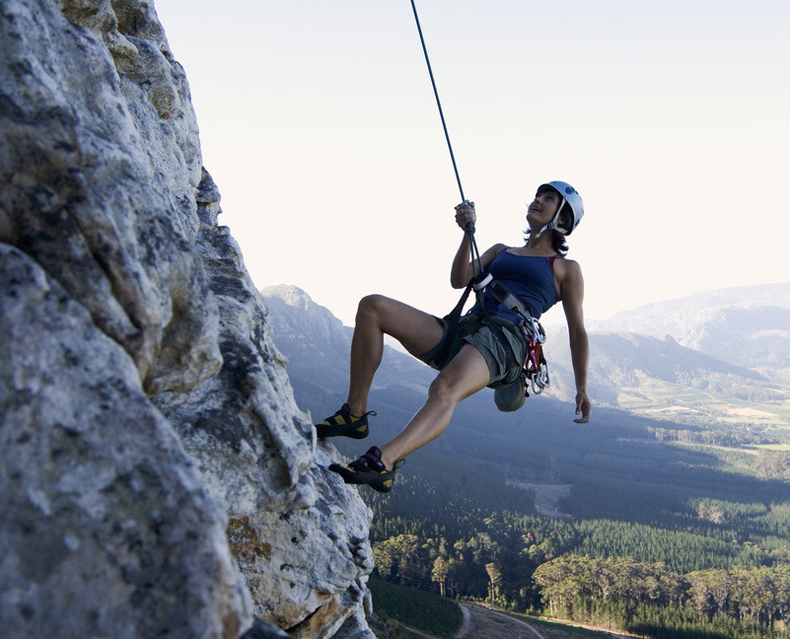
[504, 296]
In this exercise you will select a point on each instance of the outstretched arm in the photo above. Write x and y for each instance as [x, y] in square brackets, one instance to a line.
[572, 300]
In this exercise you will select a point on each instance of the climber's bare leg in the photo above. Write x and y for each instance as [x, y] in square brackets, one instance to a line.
[466, 374]
[378, 316]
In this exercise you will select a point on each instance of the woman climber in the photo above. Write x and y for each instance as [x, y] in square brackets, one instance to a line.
[487, 348]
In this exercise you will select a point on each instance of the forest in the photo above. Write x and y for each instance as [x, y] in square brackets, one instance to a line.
[660, 538]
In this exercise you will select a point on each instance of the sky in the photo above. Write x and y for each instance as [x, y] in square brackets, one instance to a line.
[319, 125]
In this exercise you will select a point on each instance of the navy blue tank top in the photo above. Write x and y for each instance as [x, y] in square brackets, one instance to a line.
[528, 277]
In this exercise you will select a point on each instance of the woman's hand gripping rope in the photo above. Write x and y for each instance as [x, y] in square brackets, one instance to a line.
[465, 214]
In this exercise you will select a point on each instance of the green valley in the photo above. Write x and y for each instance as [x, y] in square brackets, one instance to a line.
[668, 515]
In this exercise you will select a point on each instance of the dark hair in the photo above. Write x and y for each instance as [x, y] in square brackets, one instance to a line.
[570, 216]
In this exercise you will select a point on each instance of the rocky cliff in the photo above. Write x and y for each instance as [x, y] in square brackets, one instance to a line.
[156, 475]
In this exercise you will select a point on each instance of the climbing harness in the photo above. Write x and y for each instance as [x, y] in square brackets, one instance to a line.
[534, 370]
[534, 367]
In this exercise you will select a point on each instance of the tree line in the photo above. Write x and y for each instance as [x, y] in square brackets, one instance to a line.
[609, 572]
[610, 591]
[757, 595]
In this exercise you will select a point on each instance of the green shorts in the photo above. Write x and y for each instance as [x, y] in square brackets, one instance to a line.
[504, 354]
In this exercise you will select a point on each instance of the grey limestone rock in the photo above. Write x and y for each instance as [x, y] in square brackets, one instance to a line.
[299, 534]
[156, 475]
[106, 530]
[107, 184]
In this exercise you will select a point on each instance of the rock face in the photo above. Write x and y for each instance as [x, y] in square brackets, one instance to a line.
[156, 475]
[106, 530]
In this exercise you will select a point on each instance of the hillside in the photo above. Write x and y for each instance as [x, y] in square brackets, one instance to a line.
[317, 341]
[630, 521]
[747, 326]
[718, 354]
[652, 373]
[539, 443]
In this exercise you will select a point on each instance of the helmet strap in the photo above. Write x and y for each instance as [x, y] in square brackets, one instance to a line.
[555, 223]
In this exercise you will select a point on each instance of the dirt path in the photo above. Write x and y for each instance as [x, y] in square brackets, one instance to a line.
[547, 497]
[483, 623]
[465, 624]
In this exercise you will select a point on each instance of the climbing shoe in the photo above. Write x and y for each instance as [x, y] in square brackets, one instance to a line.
[344, 424]
[368, 469]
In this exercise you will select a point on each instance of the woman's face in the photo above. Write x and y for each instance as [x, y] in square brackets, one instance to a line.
[543, 209]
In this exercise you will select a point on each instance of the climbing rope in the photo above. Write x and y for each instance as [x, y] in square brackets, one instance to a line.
[534, 368]
[438, 102]
[477, 268]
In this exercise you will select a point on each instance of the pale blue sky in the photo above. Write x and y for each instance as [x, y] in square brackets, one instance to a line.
[319, 125]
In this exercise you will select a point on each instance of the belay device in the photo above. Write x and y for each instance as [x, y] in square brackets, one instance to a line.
[534, 371]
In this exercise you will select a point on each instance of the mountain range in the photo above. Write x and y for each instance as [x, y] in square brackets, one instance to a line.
[720, 357]
[748, 326]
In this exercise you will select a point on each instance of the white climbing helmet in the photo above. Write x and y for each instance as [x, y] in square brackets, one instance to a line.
[570, 197]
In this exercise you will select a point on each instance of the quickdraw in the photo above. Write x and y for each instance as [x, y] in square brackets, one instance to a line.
[535, 366]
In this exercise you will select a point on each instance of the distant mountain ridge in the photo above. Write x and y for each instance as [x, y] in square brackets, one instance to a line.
[317, 345]
[721, 354]
[701, 355]
[747, 325]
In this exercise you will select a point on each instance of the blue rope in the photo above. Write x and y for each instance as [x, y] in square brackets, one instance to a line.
[438, 103]
[470, 227]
